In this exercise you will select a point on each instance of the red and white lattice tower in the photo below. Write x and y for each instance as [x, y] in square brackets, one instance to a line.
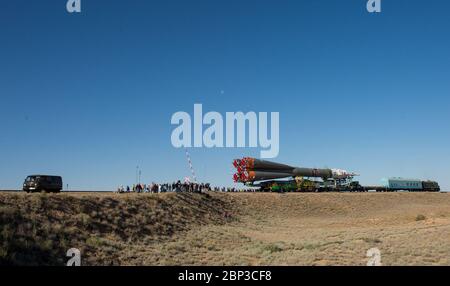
[194, 177]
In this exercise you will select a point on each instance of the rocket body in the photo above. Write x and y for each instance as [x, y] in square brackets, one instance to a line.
[251, 170]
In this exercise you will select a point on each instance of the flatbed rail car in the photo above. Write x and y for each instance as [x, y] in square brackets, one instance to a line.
[307, 186]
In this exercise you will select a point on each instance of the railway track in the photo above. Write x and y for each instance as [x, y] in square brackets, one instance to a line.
[64, 192]
[108, 192]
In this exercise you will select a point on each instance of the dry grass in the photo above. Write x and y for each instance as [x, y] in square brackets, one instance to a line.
[38, 229]
[264, 229]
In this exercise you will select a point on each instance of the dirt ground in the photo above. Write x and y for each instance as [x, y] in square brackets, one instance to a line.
[276, 229]
[318, 229]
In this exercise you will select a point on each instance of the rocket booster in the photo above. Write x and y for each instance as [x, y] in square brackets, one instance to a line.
[251, 170]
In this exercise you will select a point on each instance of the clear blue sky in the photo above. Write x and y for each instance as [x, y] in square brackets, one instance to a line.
[90, 96]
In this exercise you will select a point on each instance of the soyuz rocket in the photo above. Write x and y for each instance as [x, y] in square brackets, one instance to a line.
[249, 170]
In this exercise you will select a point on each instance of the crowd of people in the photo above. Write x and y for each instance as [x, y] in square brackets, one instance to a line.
[177, 187]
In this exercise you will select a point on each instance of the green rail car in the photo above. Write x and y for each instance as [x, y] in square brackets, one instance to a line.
[308, 186]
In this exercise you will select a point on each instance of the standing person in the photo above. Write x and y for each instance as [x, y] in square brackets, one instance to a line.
[152, 190]
[128, 189]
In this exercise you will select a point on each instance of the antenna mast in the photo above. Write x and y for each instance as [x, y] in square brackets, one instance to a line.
[190, 165]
